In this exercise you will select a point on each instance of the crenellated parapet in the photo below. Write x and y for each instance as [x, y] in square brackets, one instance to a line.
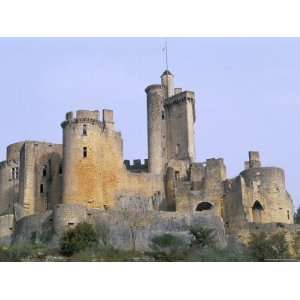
[181, 97]
[82, 116]
[137, 165]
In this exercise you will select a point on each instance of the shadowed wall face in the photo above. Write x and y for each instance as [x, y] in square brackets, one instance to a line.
[40, 176]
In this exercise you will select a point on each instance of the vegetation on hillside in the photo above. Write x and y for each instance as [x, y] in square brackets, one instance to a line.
[86, 242]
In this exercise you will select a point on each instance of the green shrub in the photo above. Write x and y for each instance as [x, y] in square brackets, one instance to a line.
[103, 233]
[264, 247]
[296, 245]
[280, 246]
[22, 252]
[203, 236]
[168, 247]
[83, 236]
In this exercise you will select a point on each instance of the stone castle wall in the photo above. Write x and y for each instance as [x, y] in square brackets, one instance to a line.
[94, 172]
[179, 115]
[9, 186]
[258, 195]
[40, 176]
[7, 224]
[203, 185]
[86, 178]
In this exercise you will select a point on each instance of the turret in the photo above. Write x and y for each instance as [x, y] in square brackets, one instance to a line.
[81, 159]
[156, 128]
[167, 82]
[92, 152]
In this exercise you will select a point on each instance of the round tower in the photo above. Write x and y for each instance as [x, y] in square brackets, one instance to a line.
[82, 159]
[269, 200]
[156, 128]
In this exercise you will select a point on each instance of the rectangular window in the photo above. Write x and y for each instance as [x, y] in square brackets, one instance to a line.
[60, 170]
[15, 173]
[44, 171]
[84, 130]
[42, 189]
[84, 152]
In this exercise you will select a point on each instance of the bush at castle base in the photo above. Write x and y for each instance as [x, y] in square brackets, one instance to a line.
[82, 237]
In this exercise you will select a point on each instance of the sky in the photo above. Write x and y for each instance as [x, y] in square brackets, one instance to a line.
[247, 92]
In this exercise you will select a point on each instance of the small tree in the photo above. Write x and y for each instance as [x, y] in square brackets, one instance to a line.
[203, 236]
[259, 246]
[83, 236]
[264, 247]
[280, 247]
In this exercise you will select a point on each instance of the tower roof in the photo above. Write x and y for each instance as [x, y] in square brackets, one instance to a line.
[166, 72]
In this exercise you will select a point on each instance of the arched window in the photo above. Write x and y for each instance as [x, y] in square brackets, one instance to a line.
[203, 206]
[257, 211]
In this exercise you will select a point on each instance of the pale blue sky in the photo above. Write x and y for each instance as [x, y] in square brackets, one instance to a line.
[247, 92]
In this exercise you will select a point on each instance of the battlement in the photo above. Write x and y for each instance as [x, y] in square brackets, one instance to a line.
[137, 165]
[90, 117]
[212, 162]
[180, 97]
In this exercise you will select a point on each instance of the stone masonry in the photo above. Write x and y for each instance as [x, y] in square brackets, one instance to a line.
[47, 187]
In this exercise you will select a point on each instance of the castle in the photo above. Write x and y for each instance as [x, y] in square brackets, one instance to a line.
[88, 170]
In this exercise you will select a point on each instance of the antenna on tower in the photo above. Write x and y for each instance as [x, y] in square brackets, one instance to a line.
[166, 54]
[166, 45]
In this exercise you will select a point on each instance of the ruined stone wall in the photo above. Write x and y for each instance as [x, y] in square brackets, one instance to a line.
[204, 184]
[129, 229]
[234, 213]
[40, 176]
[97, 178]
[267, 186]
[263, 185]
[245, 232]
